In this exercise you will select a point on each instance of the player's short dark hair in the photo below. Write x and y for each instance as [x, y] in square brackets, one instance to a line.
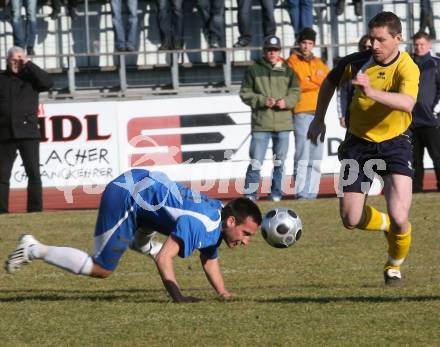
[386, 19]
[421, 35]
[241, 208]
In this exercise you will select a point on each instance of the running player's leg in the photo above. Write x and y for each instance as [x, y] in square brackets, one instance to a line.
[354, 153]
[398, 195]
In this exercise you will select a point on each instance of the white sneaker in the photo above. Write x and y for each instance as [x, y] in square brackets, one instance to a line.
[144, 243]
[155, 247]
[20, 256]
[275, 198]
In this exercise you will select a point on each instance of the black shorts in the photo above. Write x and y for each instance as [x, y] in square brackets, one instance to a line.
[362, 159]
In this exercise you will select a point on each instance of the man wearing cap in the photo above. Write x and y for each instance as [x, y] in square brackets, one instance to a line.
[311, 72]
[271, 89]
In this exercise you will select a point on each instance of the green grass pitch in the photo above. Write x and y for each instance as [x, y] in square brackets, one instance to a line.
[327, 290]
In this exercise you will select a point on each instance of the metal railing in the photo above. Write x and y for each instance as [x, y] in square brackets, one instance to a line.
[81, 54]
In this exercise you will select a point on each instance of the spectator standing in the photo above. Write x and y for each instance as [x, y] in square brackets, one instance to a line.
[20, 86]
[72, 11]
[125, 40]
[24, 33]
[271, 89]
[345, 92]
[171, 24]
[311, 72]
[425, 125]
[427, 18]
[245, 21]
[371, 10]
[213, 19]
[340, 7]
[301, 14]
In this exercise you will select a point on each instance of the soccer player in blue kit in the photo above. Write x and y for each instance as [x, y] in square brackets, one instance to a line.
[135, 206]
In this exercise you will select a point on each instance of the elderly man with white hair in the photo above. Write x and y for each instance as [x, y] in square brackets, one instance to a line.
[20, 86]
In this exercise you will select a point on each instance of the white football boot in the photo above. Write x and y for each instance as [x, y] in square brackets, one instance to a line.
[20, 256]
[155, 247]
[143, 242]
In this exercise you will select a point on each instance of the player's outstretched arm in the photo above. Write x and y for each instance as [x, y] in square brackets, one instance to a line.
[317, 127]
[214, 275]
[165, 265]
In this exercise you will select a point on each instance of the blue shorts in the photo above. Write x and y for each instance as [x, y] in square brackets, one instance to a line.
[115, 227]
[362, 159]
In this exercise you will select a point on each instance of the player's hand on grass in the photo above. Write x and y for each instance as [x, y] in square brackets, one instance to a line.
[226, 295]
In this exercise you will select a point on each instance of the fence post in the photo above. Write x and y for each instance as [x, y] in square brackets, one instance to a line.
[175, 70]
[71, 74]
[227, 69]
[122, 73]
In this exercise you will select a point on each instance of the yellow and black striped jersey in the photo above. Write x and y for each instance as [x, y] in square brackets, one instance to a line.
[370, 119]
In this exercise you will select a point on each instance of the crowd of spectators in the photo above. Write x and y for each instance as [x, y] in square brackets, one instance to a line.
[212, 14]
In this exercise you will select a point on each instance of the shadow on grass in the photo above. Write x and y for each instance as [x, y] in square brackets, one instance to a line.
[126, 295]
[150, 296]
[355, 299]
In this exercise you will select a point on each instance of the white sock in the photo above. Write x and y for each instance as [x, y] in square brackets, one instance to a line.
[70, 259]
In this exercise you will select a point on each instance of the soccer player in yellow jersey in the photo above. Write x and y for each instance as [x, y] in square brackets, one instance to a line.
[386, 86]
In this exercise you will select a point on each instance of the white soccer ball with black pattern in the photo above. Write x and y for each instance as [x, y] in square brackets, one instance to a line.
[281, 227]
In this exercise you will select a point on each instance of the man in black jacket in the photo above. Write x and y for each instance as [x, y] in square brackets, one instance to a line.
[20, 86]
[426, 122]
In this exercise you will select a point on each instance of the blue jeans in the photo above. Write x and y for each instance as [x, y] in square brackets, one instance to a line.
[24, 36]
[123, 41]
[257, 151]
[171, 22]
[307, 161]
[245, 18]
[301, 14]
[213, 18]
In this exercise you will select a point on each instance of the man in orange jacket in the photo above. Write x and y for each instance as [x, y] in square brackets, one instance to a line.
[311, 72]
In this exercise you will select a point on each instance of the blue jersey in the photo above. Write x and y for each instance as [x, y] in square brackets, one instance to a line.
[141, 198]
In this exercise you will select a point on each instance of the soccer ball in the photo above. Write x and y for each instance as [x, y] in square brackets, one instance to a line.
[281, 227]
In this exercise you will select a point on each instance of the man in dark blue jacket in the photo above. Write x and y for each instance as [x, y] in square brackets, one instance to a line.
[20, 86]
[426, 118]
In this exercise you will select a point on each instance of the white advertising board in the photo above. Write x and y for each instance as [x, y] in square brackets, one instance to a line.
[78, 147]
[190, 139]
[201, 138]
